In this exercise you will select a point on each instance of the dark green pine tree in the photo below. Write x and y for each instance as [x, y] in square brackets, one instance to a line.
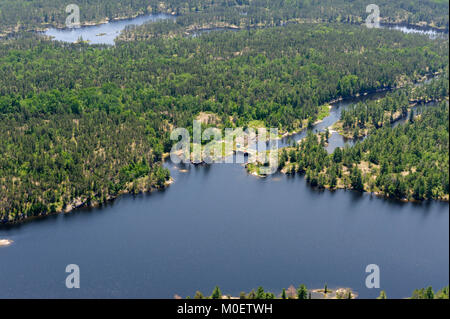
[217, 294]
[356, 179]
[429, 293]
[302, 292]
[260, 294]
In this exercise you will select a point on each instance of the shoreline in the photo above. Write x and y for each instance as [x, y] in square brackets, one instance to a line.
[291, 293]
[365, 132]
[80, 204]
[106, 20]
[378, 194]
[92, 23]
[424, 27]
[333, 128]
[384, 196]
[359, 94]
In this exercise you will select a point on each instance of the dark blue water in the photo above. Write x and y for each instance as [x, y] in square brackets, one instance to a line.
[218, 226]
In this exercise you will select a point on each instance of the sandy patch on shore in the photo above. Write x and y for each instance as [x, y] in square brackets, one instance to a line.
[5, 242]
[208, 118]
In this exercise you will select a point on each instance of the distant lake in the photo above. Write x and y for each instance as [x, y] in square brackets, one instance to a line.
[432, 33]
[106, 33]
[103, 33]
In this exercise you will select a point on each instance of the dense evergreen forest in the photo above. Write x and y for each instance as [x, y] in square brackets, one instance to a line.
[359, 119]
[263, 13]
[37, 14]
[409, 161]
[81, 124]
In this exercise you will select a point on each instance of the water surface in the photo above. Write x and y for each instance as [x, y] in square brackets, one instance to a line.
[218, 226]
[432, 33]
[107, 33]
[103, 33]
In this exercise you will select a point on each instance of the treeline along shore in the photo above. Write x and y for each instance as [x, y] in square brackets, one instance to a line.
[19, 16]
[81, 124]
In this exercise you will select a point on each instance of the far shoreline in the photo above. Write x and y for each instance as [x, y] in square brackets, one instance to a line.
[78, 204]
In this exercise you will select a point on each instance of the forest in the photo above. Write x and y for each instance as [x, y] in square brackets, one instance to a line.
[81, 124]
[38, 14]
[409, 161]
[361, 118]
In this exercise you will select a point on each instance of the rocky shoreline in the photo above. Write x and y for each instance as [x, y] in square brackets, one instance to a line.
[83, 203]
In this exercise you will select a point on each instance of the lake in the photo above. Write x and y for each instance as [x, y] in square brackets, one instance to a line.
[428, 31]
[103, 33]
[217, 225]
[106, 33]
